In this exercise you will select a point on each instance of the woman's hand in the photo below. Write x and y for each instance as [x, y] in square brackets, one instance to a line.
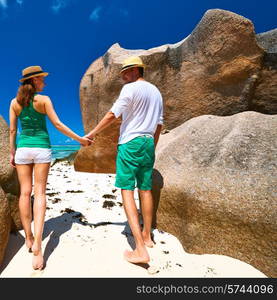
[12, 162]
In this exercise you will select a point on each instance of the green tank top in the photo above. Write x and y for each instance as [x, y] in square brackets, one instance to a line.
[34, 131]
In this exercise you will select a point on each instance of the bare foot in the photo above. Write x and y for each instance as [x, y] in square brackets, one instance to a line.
[136, 258]
[36, 248]
[29, 243]
[38, 262]
[149, 244]
[148, 241]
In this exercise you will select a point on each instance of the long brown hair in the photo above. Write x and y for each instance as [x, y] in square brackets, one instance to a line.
[25, 92]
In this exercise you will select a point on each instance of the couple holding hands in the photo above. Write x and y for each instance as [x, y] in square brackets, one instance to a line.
[139, 104]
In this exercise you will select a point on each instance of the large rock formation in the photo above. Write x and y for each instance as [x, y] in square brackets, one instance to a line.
[215, 70]
[9, 191]
[215, 187]
[8, 178]
[264, 95]
[5, 223]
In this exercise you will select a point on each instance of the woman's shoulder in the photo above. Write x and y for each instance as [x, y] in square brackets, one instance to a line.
[14, 102]
[42, 98]
[15, 107]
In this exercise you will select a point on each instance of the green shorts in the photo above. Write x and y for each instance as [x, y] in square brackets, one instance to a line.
[134, 164]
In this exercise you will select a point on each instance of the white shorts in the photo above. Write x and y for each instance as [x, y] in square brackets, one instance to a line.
[28, 155]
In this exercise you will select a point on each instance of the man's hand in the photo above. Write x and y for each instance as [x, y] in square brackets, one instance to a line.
[90, 135]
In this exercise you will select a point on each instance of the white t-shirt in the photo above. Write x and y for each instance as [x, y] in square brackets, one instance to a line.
[141, 105]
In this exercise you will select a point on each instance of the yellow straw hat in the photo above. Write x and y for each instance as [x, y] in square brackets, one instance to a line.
[132, 62]
[31, 72]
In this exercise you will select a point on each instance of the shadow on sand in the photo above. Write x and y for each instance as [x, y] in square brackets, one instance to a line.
[56, 227]
[53, 227]
[16, 241]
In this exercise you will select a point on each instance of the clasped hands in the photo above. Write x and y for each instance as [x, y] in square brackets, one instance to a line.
[87, 141]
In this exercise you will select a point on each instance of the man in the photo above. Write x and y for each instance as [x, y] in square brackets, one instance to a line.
[141, 107]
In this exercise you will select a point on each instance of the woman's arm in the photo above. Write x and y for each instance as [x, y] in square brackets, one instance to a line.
[49, 109]
[13, 132]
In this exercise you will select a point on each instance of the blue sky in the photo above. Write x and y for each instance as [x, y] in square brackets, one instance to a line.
[66, 36]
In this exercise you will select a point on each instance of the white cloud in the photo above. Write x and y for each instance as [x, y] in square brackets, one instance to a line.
[69, 140]
[108, 11]
[3, 3]
[58, 5]
[95, 14]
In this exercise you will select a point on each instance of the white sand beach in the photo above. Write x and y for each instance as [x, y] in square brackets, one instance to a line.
[86, 233]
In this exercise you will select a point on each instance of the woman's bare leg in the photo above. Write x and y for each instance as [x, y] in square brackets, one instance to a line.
[40, 180]
[25, 176]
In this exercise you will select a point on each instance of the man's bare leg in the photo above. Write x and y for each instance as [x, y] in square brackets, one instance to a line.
[25, 174]
[146, 201]
[140, 254]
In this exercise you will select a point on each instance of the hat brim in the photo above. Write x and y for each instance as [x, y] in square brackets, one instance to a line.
[36, 75]
[132, 66]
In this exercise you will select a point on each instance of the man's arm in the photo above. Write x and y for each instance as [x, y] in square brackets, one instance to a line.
[157, 134]
[107, 120]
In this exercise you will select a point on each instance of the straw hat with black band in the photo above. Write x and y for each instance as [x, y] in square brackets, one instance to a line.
[132, 62]
[31, 72]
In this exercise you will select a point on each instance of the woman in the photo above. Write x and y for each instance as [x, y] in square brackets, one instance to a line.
[32, 155]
